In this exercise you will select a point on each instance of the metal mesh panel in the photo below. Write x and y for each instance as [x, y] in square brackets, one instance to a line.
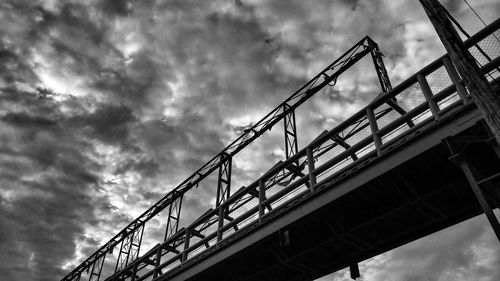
[490, 46]
[438, 80]
[410, 97]
[385, 115]
[363, 130]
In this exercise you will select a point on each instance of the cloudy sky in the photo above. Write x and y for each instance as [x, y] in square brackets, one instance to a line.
[105, 105]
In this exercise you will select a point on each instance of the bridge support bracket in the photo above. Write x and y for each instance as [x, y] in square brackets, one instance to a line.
[354, 269]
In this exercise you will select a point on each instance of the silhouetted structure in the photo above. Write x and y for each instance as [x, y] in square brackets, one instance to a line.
[395, 171]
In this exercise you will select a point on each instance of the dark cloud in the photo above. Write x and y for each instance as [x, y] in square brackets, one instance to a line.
[25, 120]
[147, 168]
[116, 7]
[13, 68]
[105, 105]
[45, 183]
[108, 123]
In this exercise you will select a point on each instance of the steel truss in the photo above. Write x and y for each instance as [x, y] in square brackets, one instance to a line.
[174, 216]
[129, 249]
[96, 270]
[291, 143]
[131, 236]
[183, 248]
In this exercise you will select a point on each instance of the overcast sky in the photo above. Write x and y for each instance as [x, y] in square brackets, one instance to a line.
[107, 105]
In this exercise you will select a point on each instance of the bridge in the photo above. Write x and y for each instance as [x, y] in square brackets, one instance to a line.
[417, 159]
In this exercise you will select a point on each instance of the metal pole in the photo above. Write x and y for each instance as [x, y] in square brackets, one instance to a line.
[479, 195]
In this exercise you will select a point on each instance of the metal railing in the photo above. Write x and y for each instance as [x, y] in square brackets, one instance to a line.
[434, 93]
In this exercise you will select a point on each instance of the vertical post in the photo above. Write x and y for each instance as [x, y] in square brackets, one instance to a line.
[455, 79]
[426, 90]
[174, 215]
[186, 245]
[374, 128]
[135, 246]
[310, 166]
[479, 194]
[130, 247]
[122, 259]
[95, 273]
[262, 197]
[378, 62]
[220, 223]
[487, 102]
[134, 271]
[223, 190]
[291, 144]
[354, 270]
[156, 271]
[224, 180]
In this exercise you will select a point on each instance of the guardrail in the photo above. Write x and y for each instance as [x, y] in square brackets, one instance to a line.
[432, 94]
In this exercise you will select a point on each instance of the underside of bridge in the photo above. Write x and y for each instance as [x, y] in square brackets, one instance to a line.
[427, 192]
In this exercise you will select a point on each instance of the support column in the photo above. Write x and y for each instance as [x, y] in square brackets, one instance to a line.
[460, 160]
[354, 269]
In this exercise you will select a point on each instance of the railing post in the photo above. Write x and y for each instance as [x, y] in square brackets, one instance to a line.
[426, 90]
[220, 222]
[134, 272]
[186, 245]
[223, 190]
[310, 166]
[262, 197]
[157, 263]
[374, 128]
[455, 79]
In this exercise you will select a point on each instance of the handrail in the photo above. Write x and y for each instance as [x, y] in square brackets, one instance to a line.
[380, 100]
[309, 89]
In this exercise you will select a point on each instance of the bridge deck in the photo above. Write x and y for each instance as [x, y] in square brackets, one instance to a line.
[380, 179]
[413, 192]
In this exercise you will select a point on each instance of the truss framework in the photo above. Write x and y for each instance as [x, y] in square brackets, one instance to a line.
[131, 236]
